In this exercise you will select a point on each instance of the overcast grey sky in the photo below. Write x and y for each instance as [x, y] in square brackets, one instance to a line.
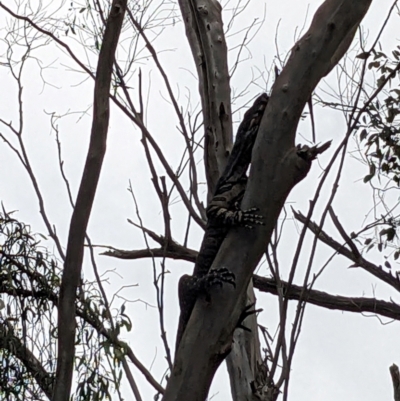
[340, 356]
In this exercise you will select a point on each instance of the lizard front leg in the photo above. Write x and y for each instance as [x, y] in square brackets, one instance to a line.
[238, 217]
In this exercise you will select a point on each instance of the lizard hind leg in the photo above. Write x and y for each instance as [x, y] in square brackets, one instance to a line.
[191, 287]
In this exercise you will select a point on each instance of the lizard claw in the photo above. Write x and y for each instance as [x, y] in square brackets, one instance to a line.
[218, 277]
[248, 218]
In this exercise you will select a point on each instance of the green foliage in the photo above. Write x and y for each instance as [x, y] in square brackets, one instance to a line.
[29, 285]
[380, 131]
[379, 139]
[29, 279]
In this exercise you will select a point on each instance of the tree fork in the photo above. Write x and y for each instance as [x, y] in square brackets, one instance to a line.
[276, 169]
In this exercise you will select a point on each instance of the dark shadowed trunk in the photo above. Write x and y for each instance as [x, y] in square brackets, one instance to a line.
[84, 203]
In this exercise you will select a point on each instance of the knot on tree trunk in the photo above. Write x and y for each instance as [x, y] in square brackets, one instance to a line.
[304, 156]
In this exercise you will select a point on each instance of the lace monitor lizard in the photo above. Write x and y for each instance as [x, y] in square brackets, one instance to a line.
[223, 212]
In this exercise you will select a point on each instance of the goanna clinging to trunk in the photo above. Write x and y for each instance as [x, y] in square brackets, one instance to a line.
[223, 212]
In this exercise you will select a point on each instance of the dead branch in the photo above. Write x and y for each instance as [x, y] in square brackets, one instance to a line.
[351, 304]
[192, 163]
[131, 113]
[168, 248]
[173, 251]
[22, 153]
[14, 345]
[328, 301]
[343, 233]
[341, 249]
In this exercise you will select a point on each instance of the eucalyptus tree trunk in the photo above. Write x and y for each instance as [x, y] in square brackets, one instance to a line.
[277, 166]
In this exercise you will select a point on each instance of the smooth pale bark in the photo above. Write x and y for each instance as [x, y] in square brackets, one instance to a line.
[275, 169]
[204, 30]
[247, 373]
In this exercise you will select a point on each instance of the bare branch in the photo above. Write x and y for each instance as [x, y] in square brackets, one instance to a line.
[343, 233]
[14, 345]
[170, 249]
[22, 153]
[193, 170]
[135, 117]
[336, 302]
[359, 261]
